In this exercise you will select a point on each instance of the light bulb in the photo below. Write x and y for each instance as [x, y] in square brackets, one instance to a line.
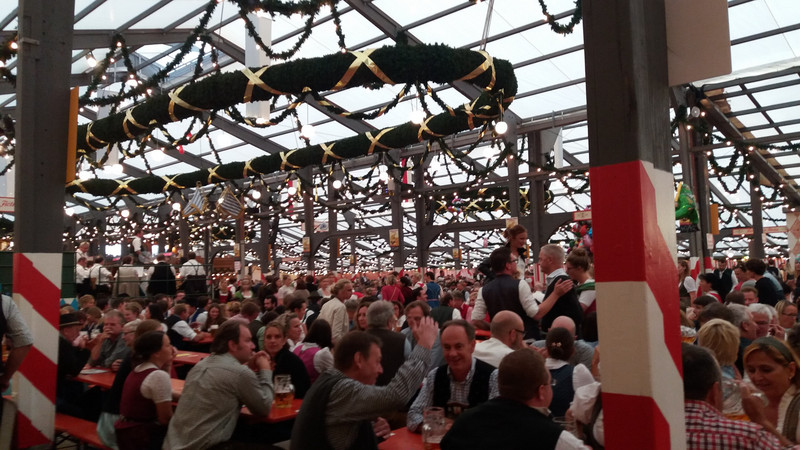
[500, 127]
[125, 213]
[292, 191]
[69, 211]
[255, 194]
[308, 131]
[91, 61]
[417, 116]
[337, 184]
[176, 206]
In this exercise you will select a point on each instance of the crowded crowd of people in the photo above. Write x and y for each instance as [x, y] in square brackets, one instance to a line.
[503, 356]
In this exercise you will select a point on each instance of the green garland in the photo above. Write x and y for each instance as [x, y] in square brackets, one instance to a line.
[401, 64]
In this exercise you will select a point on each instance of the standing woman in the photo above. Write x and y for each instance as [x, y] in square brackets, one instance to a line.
[146, 405]
[578, 268]
[393, 289]
[517, 237]
[687, 288]
[283, 361]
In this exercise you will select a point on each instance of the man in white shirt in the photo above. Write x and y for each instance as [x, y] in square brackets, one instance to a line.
[507, 332]
[192, 266]
[82, 251]
[100, 276]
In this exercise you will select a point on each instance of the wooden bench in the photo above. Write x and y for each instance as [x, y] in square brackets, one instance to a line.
[69, 428]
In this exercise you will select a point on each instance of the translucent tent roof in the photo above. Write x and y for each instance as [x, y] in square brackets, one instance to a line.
[760, 100]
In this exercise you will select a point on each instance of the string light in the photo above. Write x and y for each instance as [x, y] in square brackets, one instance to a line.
[500, 127]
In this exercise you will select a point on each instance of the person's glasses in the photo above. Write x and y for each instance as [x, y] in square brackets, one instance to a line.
[519, 331]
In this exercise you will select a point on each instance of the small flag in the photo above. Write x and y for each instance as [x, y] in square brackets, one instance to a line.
[229, 205]
[196, 205]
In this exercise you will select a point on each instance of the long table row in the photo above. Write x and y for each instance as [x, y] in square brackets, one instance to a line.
[400, 439]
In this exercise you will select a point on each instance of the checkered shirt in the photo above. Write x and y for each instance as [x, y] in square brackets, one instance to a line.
[707, 429]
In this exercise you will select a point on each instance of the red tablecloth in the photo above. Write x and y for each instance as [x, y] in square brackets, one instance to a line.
[402, 439]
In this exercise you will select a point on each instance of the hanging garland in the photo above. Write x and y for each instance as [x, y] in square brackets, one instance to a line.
[485, 199]
[400, 64]
[559, 28]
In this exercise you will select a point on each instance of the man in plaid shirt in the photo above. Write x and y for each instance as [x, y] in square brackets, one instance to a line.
[706, 427]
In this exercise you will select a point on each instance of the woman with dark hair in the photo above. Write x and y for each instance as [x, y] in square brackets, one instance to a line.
[709, 285]
[146, 405]
[517, 237]
[283, 361]
[566, 377]
[300, 290]
[315, 350]
[216, 316]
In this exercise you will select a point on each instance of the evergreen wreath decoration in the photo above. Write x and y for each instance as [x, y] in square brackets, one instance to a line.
[368, 68]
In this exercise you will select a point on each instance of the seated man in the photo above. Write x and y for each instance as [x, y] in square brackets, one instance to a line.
[72, 356]
[706, 427]
[518, 417]
[339, 409]
[415, 311]
[178, 329]
[507, 331]
[463, 382]
[109, 348]
[217, 387]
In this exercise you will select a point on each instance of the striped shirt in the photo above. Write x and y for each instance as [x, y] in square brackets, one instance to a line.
[707, 429]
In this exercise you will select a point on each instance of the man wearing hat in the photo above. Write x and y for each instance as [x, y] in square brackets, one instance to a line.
[72, 356]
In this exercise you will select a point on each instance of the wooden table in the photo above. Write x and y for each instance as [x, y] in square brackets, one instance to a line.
[402, 439]
[189, 358]
[104, 379]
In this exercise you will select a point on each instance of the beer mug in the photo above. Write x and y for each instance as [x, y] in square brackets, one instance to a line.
[433, 427]
[284, 391]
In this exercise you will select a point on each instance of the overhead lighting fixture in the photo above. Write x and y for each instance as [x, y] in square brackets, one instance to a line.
[500, 127]
[307, 131]
[90, 60]
[417, 116]
[69, 211]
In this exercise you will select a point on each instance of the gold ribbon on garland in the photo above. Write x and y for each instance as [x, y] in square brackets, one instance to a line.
[255, 80]
[362, 58]
[174, 99]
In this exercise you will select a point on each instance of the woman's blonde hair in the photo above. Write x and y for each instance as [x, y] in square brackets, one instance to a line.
[722, 338]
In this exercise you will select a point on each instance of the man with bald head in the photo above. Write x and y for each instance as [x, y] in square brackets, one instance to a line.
[583, 351]
[507, 332]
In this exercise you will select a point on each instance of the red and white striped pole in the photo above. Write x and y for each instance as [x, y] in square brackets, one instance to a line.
[633, 222]
[37, 293]
[43, 120]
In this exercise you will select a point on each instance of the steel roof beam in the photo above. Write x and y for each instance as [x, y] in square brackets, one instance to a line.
[719, 120]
